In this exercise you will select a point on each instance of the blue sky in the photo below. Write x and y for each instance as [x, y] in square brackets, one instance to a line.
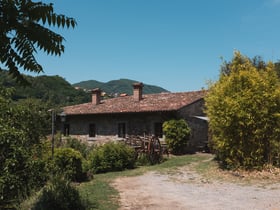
[175, 44]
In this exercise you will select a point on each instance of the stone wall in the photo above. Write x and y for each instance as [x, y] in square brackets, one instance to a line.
[139, 124]
[107, 125]
[199, 134]
[194, 109]
[199, 127]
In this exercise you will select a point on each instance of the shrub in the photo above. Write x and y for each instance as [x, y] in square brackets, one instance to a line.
[243, 107]
[176, 133]
[76, 144]
[143, 160]
[112, 157]
[275, 153]
[68, 162]
[59, 195]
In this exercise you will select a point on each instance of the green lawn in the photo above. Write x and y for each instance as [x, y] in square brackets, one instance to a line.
[99, 194]
[103, 196]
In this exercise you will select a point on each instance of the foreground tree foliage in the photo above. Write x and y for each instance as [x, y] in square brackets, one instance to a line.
[243, 107]
[22, 126]
[22, 33]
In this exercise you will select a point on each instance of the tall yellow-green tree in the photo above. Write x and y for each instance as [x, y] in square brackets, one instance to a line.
[243, 107]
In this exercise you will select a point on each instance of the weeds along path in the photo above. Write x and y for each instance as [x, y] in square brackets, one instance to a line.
[185, 189]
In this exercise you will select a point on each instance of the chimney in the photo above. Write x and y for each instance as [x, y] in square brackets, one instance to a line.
[96, 96]
[137, 91]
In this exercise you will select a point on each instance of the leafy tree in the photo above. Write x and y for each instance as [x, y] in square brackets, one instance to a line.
[243, 108]
[257, 62]
[177, 134]
[277, 68]
[22, 33]
[21, 168]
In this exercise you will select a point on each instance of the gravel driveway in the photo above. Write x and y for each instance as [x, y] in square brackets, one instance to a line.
[188, 190]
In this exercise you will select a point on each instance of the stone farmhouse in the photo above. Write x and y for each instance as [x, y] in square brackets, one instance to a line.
[138, 114]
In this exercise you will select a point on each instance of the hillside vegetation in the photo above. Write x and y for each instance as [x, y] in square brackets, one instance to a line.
[118, 86]
[50, 89]
[56, 91]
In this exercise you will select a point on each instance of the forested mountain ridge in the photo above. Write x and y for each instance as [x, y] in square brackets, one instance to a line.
[56, 91]
[118, 86]
[53, 90]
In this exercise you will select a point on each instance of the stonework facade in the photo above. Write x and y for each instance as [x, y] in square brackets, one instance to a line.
[136, 115]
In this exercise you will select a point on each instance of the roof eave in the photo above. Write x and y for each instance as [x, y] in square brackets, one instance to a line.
[124, 112]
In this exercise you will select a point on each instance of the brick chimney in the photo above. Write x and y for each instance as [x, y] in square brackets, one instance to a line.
[96, 96]
[137, 91]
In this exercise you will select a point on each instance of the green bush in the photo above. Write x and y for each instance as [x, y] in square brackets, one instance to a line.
[112, 157]
[275, 153]
[243, 107]
[59, 195]
[143, 160]
[68, 162]
[177, 133]
[76, 144]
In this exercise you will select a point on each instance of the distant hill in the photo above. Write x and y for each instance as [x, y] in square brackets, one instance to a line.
[56, 91]
[118, 86]
[53, 90]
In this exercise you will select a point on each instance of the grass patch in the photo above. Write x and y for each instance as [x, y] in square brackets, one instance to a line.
[29, 202]
[205, 166]
[180, 161]
[100, 191]
[100, 194]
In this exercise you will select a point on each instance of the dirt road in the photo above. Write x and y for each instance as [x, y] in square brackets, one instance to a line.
[188, 190]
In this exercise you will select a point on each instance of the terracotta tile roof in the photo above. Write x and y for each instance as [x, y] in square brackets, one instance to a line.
[127, 104]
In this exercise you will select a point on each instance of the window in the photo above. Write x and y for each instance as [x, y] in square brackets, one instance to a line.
[158, 130]
[66, 130]
[92, 130]
[121, 130]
